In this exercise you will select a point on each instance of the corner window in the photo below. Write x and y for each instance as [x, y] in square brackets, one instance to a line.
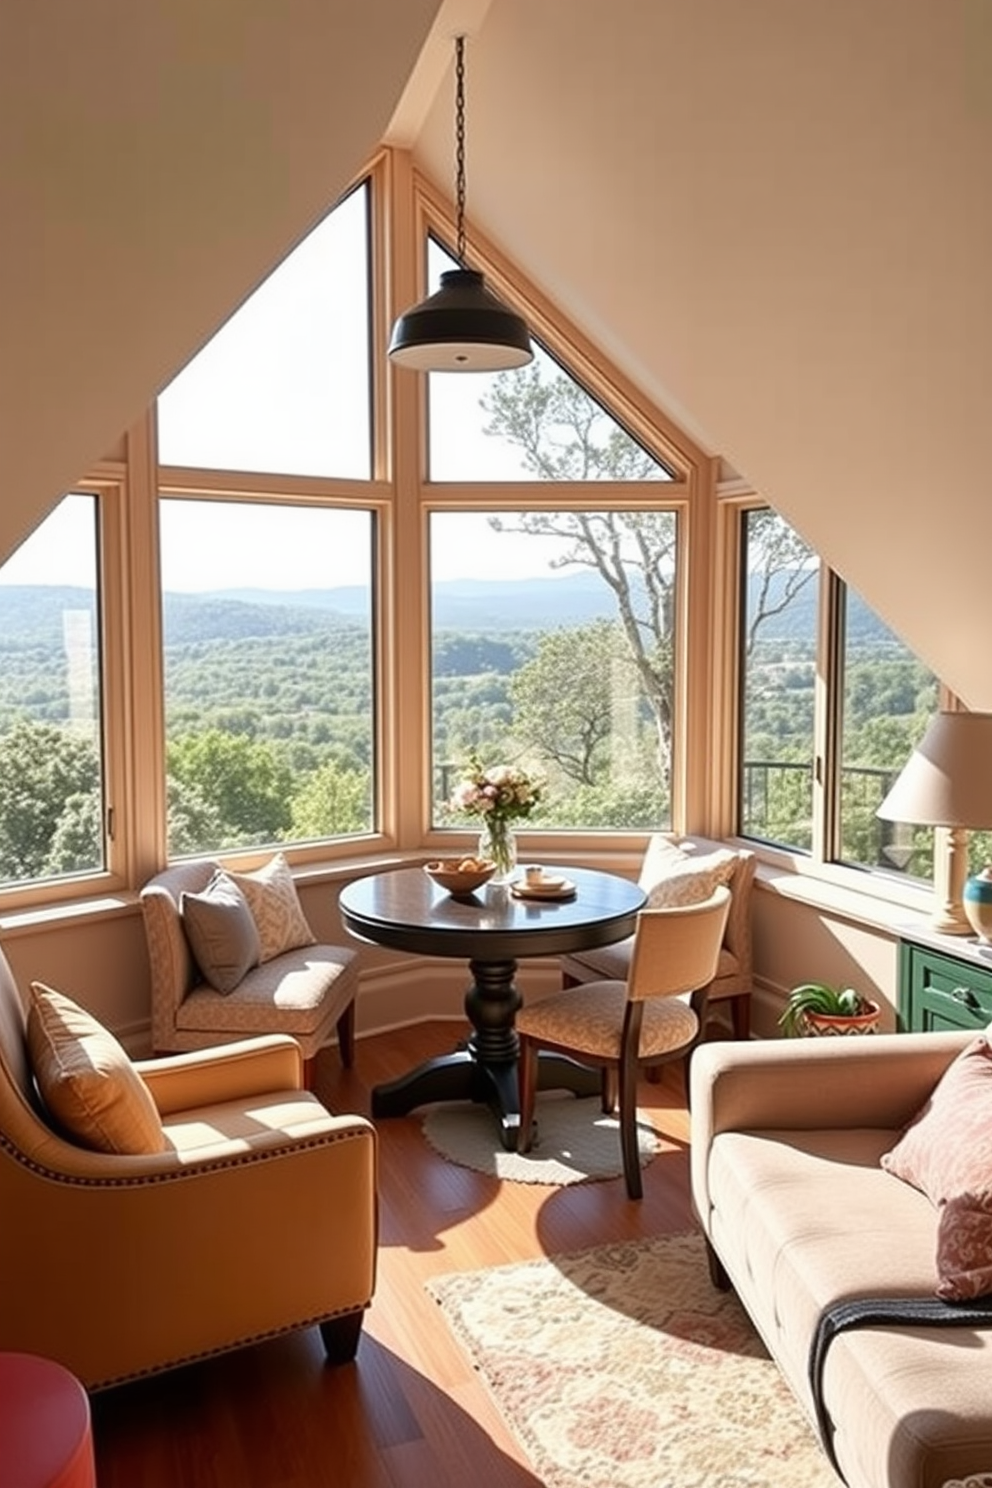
[779, 603]
[832, 704]
[888, 698]
[52, 814]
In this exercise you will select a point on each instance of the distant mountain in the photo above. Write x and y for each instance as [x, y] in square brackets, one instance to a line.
[34, 613]
[459, 604]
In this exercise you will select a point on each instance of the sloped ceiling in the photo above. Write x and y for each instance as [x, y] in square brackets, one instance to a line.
[775, 216]
[157, 159]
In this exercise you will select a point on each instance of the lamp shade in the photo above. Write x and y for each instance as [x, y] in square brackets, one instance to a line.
[947, 781]
[462, 327]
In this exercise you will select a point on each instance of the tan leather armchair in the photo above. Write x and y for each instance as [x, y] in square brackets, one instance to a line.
[258, 1218]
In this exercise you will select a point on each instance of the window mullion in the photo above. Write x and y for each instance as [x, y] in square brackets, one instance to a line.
[828, 719]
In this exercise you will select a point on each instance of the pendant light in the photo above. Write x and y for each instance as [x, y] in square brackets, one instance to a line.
[463, 326]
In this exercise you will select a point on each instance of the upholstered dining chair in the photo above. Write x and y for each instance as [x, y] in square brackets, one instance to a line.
[208, 988]
[657, 1015]
[678, 869]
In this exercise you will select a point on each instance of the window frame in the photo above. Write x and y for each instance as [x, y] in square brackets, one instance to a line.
[823, 861]
[108, 484]
[327, 494]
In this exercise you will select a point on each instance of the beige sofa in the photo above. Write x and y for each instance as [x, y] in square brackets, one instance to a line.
[786, 1141]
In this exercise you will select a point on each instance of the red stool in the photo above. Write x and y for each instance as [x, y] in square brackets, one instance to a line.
[45, 1436]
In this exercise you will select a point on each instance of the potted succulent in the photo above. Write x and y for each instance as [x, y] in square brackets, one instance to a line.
[818, 1009]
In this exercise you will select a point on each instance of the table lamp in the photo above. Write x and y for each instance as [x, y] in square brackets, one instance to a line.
[947, 782]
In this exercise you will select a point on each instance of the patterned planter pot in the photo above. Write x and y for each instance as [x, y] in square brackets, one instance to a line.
[822, 1025]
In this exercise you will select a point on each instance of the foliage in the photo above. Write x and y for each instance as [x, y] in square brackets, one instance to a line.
[332, 802]
[565, 435]
[564, 701]
[821, 997]
[246, 782]
[50, 802]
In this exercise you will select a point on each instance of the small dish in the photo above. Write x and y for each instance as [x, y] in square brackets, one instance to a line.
[548, 888]
[460, 876]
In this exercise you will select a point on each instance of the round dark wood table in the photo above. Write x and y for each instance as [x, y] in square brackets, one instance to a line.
[492, 929]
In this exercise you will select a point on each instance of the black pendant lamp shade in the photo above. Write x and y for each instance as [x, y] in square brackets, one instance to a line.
[463, 326]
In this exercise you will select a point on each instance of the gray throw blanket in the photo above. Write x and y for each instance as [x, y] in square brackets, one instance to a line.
[871, 1312]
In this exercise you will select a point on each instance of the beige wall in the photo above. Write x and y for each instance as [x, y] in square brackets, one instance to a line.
[101, 961]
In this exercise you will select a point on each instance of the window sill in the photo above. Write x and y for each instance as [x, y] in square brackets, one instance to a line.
[859, 906]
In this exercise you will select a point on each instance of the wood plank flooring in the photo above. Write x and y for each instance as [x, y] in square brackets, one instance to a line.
[410, 1413]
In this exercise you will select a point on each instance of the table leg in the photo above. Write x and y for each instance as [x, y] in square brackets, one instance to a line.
[485, 1069]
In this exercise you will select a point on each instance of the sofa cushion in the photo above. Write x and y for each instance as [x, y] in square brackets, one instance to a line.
[275, 907]
[947, 1148]
[671, 876]
[964, 1247]
[86, 1079]
[221, 931]
[299, 992]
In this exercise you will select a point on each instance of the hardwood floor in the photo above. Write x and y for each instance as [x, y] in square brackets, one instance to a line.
[410, 1413]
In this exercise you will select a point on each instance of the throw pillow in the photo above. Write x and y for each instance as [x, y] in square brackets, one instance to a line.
[221, 932]
[275, 908]
[87, 1080]
[672, 876]
[946, 1150]
[964, 1247]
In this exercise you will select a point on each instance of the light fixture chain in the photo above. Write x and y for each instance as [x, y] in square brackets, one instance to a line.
[460, 147]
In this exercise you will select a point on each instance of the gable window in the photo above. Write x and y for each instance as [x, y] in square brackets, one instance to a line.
[832, 703]
[285, 384]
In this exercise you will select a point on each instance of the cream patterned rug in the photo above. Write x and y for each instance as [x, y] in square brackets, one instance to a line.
[575, 1141]
[624, 1367]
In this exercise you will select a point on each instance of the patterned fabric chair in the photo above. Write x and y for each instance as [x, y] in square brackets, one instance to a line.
[305, 991]
[674, 866]
[655, 1016]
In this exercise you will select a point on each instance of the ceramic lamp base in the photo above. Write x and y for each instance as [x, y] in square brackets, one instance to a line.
[977, 903]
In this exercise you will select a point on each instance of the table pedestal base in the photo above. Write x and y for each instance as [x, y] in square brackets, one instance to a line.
[485, 1069]
[464, 1076]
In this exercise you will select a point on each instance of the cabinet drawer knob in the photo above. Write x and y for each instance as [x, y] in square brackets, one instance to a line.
[966, 996]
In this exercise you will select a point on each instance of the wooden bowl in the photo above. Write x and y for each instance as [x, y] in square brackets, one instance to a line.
[457, 876]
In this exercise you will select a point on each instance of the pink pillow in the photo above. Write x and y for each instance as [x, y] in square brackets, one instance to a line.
[964, 1247]
[947, 1149]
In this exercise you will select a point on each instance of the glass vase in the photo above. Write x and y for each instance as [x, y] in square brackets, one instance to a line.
[498, 843]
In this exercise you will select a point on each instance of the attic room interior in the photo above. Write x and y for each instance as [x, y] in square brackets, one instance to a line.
[751, 246]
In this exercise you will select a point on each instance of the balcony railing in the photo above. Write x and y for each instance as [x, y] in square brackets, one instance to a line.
[777, 806]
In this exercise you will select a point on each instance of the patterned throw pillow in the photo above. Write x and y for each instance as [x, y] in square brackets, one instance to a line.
[946, 1150]
[672, 876]
[86, 1079]
[964, 1247]
[275, 908]
[221, 932]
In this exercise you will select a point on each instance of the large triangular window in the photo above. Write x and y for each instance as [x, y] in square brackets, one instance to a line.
[534, 423]
[284, 385]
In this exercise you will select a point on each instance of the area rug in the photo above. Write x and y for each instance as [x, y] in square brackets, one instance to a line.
[624, 1367]
[575, 1142]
